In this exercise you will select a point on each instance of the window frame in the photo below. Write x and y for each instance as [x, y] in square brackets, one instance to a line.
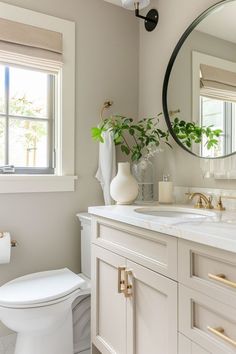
[64, 178]
[50, 120]
[228, 124]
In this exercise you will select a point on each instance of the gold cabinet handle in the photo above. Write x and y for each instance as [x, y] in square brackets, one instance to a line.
[221, 278]
[220, 332]
[121, 280]
[128, 292]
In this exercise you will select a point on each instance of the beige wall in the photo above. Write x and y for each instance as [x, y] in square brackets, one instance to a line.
[106, 67]
[155, 51]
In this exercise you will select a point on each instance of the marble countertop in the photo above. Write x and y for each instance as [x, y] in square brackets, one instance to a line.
[217, 229]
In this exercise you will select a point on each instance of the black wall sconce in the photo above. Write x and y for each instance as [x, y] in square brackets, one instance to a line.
[152, 18]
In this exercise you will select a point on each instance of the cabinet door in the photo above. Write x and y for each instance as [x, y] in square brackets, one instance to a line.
[108, 305]
[188, 347]
[151, 313]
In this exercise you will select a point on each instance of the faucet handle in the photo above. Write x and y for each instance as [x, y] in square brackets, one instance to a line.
[210, 199]
[220, 205]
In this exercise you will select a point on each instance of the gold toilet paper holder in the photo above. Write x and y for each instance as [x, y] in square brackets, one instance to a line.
[14, 243]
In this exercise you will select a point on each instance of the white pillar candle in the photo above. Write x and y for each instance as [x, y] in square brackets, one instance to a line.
[165, 191]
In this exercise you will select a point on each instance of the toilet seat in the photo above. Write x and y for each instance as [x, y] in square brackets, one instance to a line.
[40, 289]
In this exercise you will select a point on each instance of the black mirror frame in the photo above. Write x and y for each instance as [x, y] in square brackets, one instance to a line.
[168, 73]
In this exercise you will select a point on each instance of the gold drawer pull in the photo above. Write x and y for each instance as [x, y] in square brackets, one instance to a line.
[220, 332]
[121, 280]
[222, 279]
[128, 287]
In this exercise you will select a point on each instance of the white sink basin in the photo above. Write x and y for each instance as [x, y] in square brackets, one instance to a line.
[175, 212]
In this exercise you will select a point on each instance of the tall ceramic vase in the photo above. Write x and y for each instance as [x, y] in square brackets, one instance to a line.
[124, 187]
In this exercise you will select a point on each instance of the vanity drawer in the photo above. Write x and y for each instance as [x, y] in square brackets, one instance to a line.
[207, 322]
[150, 249]
[208, 270]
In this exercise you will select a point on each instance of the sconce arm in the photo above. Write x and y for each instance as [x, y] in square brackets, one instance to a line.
[151, 20]
[146, 18]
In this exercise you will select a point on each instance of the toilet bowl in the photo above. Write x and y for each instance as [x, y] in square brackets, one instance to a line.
[39, 308]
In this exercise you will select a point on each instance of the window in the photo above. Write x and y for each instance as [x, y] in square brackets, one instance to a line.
[40, 141]
[222, 115]
[26, 120]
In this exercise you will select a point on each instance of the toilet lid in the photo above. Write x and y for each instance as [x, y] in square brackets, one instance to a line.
[39, 288]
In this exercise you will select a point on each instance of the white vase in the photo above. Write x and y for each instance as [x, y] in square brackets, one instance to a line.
[124, 187]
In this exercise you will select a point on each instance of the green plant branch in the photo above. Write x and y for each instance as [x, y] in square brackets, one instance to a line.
[148, 137]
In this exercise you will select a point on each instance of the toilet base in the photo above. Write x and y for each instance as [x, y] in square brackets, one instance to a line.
[56, 341]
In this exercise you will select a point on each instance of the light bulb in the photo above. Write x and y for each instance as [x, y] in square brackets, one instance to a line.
[129, 4]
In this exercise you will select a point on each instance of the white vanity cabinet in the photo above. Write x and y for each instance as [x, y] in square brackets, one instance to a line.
[157, 294]
[134, 309]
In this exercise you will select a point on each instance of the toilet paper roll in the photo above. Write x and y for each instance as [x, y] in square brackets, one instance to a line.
[5, 248]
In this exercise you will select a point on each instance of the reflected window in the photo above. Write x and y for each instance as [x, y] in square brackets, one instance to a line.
[221, 115]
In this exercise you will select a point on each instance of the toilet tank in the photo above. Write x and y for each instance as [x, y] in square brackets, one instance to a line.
[85, 222]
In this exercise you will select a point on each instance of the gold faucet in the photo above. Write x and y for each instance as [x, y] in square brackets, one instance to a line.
[201, 197]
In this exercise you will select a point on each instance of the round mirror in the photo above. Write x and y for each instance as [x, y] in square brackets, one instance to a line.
[199, 91]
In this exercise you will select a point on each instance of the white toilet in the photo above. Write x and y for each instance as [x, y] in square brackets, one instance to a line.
[39, 308]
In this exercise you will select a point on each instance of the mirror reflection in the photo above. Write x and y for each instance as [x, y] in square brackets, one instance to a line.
[201, 95]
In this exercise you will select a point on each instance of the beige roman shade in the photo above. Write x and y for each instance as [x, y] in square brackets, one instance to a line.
[25, 44]
[217, 83]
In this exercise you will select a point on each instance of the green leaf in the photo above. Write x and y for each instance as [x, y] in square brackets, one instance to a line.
[188, 143]
[125, 149]
[176, 120]
[131, 131]
[97, 134]
[136, 156]
[118, 140]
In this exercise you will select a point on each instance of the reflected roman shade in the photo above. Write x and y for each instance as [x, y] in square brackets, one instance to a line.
[29, 45]
[217, 83]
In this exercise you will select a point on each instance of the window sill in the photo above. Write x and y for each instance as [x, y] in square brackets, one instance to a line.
[36, 183]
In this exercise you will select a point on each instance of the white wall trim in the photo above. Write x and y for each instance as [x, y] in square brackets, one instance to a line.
[36, 183]
[65, 143]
